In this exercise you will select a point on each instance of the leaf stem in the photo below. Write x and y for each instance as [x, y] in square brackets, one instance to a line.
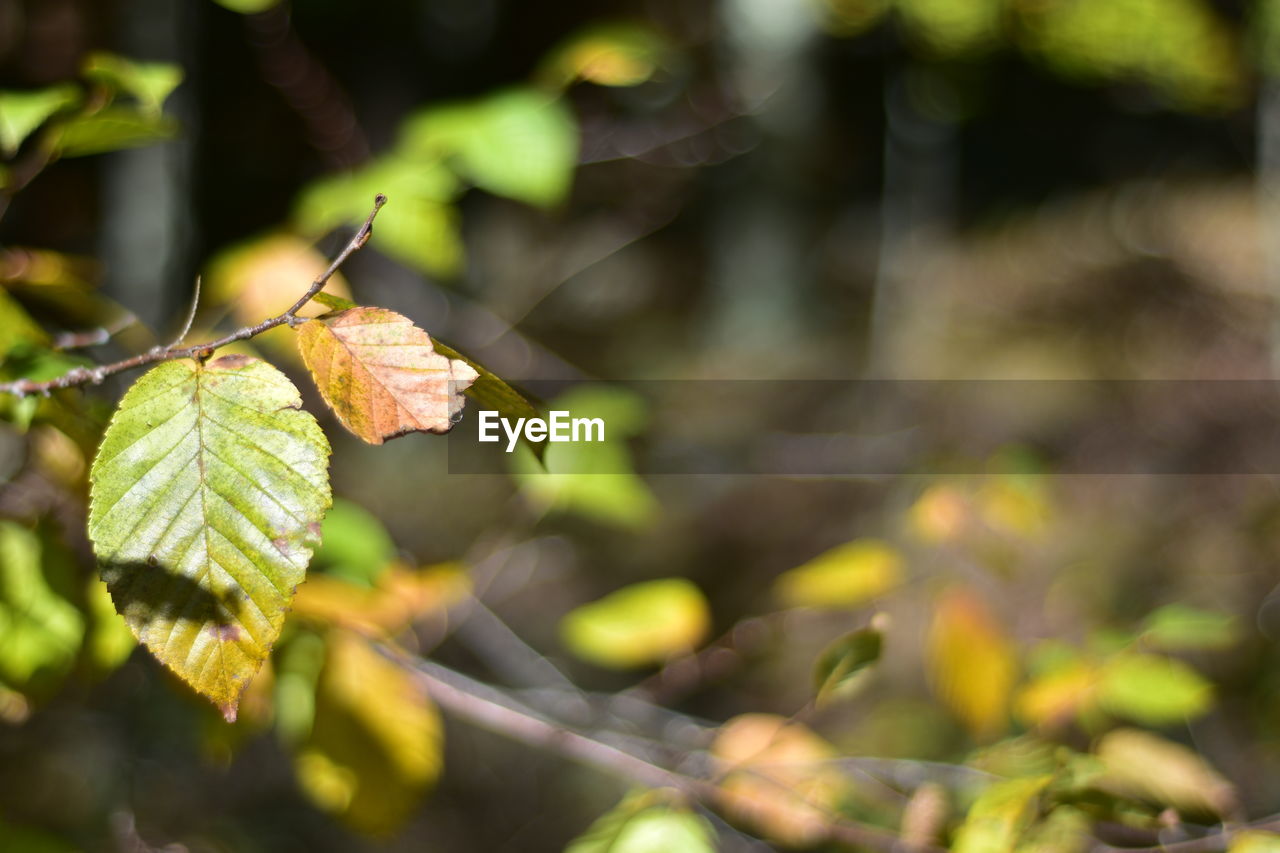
[95, 375]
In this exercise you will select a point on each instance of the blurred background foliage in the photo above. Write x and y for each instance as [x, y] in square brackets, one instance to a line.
[639, 189]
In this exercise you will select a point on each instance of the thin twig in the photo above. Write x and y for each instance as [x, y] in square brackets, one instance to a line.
[492, 710]
[191, 317]
[95, 375]
[93, 337]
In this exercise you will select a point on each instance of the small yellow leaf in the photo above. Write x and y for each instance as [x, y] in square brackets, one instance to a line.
[1141, 764]
[639, 625]
[1055, 698]
[778, 777]
[941, 514]
[375, 747]
[972, 664]
[381, 375]
[845, 576]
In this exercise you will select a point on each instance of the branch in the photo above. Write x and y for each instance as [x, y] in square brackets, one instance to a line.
[490, 709]
[95, 375]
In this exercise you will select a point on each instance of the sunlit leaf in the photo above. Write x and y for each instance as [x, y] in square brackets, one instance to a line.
[490, 391]
[608, 55]
[640, 624]
[40, 630]
[1145, 765]
[401, 596]
[112, 129]
[149, 82]
[972, 663]
[999, 816]
[845, 576]
[381, 374]
[1178, 627]
[21, 113]
[208, 491]
[777, 778]
[375, 747]
[842, 666]
[521, 143]
[1152, 689]
[646, 823]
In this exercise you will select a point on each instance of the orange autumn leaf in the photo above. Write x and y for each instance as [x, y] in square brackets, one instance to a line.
[381, 374]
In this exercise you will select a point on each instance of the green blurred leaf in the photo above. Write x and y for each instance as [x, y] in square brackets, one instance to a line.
[845, 576]
[1000, 816]
[375, 747]
[112, 129]
[843, 665]
[207, 496]
[638, 625]
[521, 143]
[1152, 689]
[248, 7]
[953, 27]
[21, 113]
[110, 640]
[40, 631]
[353, 544]
[1066, 829]
[25, 839]
[643, 823]
[148, 82]
[420, 226]
[1179, 627]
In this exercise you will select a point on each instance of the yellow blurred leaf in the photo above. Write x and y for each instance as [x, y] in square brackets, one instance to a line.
[1018, 506]
[1255, 842]
[400, 596]
[261, 278]
[608, 55]
[641, 624]
[1152, 689]
[777, 777]
[971, 662]
[375, 746]
[941, 514]
[1146, 766]
[845, 576]
[1055, 698]
[1000, 816]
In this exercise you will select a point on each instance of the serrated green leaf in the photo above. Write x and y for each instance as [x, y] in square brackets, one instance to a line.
[639, 624]
[643, 823]
[207, 496]
[520, 143]
[841, 666]
[22, 112]
[112, 129]
[148, 82]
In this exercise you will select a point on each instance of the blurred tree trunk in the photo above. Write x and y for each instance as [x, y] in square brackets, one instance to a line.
[147, 211]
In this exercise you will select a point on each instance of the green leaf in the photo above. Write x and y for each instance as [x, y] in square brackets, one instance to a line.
[355, 546]
[607, 55]
[207, 496]
[1141, 764]
[643, 823]
[337, 303]
[248, 7]
[999, 816]
[110, 640]
[520, 144]
[842, 667]
[1152, 689]
[149, 82]
[640, 624]
[40, 631]
[490, 390]
[421, 229]
[845, 576]
[22, 112]
[112, 129]
[1178, 627]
